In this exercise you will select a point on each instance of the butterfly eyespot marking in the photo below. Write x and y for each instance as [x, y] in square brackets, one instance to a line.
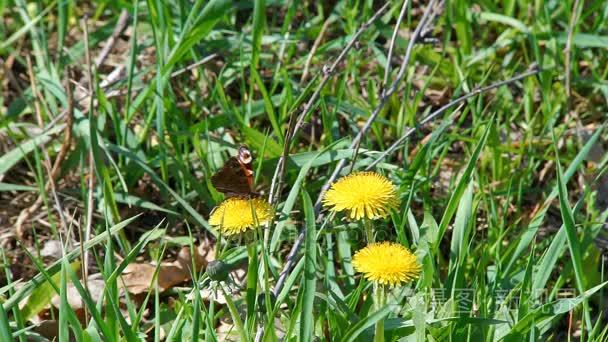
[244, 155]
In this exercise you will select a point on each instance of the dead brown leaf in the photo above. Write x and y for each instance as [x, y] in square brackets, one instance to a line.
[138, 277]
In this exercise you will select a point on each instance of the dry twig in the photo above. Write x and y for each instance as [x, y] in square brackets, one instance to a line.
[386, 94]
[121, 25]
[296, 124]
[391, 46]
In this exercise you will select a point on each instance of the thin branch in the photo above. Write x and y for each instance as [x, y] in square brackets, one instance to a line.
[121, 24]
[296, 124]
[194, 65]
[430, 23]
[356, 144]
[533, 71]
[329, 71]
[391, 46]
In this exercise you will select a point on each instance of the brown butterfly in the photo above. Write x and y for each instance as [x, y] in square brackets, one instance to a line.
[235, 178]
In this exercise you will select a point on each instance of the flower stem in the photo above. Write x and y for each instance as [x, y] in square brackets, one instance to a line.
[369, 230]
[379, 302]
[378, 294]
[252, 282]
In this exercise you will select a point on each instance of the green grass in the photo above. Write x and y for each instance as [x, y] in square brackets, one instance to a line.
[503, 199]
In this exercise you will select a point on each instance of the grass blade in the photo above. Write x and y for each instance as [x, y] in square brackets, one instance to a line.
[359, 327]
[5, 329]
[462, 184]
[572, 236]
[310, 269]
[537, 220]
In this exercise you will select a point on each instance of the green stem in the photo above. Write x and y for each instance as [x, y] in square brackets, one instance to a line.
[378, 295]
[252, 284]
[369, 231]
[379, 302]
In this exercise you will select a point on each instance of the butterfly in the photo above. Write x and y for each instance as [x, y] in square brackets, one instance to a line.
[235, 178]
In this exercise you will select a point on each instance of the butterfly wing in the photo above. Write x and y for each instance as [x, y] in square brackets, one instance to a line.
[231, 179]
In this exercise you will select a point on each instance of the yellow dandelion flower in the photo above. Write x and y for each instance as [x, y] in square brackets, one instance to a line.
[235, 215]
[362, 194]
[387, 263]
